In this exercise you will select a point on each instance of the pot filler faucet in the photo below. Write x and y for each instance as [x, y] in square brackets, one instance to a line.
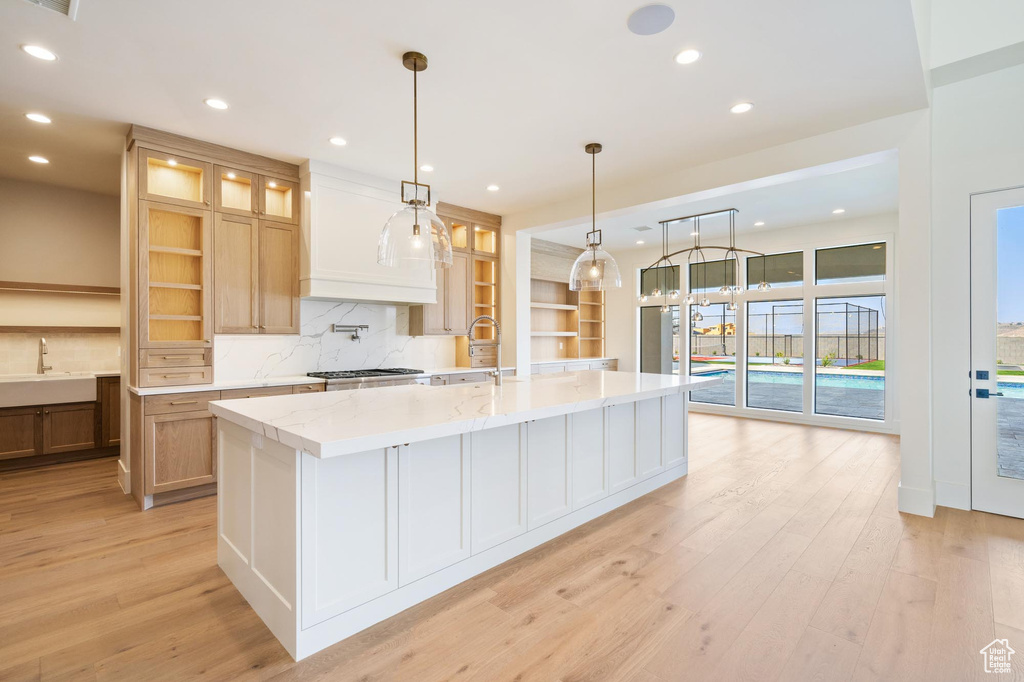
[43, 350]
[473, 345]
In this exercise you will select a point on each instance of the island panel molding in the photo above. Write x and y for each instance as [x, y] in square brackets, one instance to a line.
[324, 545]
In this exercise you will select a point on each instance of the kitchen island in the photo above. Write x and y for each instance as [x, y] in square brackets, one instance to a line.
[338, 510]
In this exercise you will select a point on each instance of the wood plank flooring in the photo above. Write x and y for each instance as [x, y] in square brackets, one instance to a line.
[781, 556]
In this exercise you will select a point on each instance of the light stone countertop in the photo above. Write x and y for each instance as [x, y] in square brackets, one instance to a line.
[336, 423]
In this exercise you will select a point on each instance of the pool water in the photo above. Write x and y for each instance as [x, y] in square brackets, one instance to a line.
[876, 383]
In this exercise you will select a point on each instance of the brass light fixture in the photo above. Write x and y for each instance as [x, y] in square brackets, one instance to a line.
[414, 234]
[594, 269]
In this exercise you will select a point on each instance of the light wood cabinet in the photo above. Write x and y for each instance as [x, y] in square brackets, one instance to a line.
[279, 246]
[108, 395]
[236, 274]
[169, 178]
[309, 388]
[175, 274]
[468, 288]
[67, 428]
[180, 450]
[20, 432]
[235, 192]
[279, 200]
[257, 276]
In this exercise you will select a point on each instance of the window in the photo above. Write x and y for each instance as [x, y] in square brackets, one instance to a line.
[712, 275]
[665, 278]
[778, 269]
[861, 263]
[713, 352]
[775, 355]
[849, 373]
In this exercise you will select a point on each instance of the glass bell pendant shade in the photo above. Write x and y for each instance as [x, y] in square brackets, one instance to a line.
[594, 270]
[697, 317]
[414, 235]
[690, 299]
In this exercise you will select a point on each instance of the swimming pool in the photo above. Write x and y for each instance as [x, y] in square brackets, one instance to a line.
[876, 383]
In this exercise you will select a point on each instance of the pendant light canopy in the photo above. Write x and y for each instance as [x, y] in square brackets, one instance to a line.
[414, 234]
[594, 269]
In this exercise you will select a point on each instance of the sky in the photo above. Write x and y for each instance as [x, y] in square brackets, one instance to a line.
[1010, 265]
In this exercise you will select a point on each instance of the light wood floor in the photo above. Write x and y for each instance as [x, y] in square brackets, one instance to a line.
[780, 556]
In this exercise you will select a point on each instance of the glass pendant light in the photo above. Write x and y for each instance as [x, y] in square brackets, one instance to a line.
[697, 317]
[594, 269]
[414, 234]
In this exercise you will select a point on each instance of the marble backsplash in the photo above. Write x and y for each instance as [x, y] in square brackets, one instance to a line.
[386, 344]
[19, 353]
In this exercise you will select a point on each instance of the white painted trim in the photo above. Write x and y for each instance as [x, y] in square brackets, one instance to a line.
[955, 495]
[833, 422]
[916, 501]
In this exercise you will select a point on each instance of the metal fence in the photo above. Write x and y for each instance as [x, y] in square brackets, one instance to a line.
[842, 347]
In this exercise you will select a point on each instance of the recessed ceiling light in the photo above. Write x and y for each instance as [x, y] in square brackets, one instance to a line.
[38, 159]
[427, 168]
[687, 56]
[639, 241]
[759, 223]
[216, 103]
[38, 118]
[741, 108]
[651, 19]
[39, 53]
[339, 141]
[838, 211]
[492, 188]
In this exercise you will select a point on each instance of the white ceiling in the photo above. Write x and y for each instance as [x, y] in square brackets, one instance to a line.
[864, 191]
[513, 92]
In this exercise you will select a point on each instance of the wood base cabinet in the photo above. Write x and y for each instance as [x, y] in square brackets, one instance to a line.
[20, 432]
[179, 451]
[67, 428]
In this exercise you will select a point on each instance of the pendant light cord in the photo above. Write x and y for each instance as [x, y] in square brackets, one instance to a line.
[415, 134]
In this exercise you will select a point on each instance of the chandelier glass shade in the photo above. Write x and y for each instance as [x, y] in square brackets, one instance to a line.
[594, 269]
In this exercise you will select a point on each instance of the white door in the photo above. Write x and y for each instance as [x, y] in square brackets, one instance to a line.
[997, 352]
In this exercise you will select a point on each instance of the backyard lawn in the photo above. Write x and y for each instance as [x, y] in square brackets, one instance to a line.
[874, 364]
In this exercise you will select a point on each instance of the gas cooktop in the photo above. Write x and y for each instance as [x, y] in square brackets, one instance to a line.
[364, 373]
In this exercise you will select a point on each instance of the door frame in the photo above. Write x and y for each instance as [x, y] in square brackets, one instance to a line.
[989, 491]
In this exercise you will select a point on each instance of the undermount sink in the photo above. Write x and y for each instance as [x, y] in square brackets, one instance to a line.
[17, 390]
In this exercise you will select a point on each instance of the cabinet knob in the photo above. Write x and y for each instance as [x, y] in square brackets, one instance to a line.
[38, 412]
[255, 212]
[263, 212]
[46, 412]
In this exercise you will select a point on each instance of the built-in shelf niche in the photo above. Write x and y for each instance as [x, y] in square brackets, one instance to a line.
[171, 178]
[236, 191]
[175, 243]
[485, 295]
[554, 320]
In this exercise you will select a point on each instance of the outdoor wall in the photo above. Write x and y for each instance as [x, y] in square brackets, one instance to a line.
[977, 145]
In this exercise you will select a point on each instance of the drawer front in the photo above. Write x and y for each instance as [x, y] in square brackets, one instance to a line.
[551, 369]
[577, 366]
[439, 380]
[469, 378]
[175, 357]
[309, 388]
[257, 392]
[170, 376]
[603, 364]
[179, 402]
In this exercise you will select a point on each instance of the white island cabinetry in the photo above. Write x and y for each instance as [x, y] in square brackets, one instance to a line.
[330, 522]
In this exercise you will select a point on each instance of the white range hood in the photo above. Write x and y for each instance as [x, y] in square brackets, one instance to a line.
[342, 219]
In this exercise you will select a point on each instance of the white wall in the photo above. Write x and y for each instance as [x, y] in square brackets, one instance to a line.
[961, 29]
[977, 145]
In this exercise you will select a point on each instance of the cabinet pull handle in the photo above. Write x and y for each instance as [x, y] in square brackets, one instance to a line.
[181, 355]
[184, 402]
[207, 202]
[177, 376]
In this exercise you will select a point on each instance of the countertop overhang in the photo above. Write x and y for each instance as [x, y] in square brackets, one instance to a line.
[331, 424]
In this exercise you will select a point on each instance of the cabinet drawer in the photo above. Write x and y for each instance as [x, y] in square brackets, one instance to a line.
[469, 378]
[180, 402]
[604, 364]
[184, 376]
[577, 366]
[257, 392]
[439, 380]
[309, 388]
[172, 357]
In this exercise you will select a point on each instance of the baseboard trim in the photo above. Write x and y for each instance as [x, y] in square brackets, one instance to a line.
[955, 495]
[919, 501]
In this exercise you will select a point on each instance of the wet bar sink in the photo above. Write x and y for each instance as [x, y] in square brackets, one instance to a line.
[17, 390]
